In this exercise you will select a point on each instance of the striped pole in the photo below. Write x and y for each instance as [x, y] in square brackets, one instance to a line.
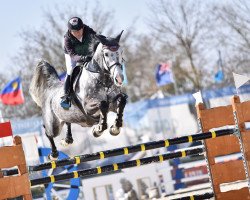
[114, 167]
[131, 149]
[197, 197]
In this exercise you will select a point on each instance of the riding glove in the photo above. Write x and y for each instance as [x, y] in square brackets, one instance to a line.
[85, 58]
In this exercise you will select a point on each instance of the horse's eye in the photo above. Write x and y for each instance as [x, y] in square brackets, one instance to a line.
[106, 54]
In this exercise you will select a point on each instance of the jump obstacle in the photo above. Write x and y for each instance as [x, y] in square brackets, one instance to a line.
[131, 149]
[214, 145]
[14, 186]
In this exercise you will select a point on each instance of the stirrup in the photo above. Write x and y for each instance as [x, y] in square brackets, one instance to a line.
[65, 103]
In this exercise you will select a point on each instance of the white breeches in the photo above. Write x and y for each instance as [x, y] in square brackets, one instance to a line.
[70, 64]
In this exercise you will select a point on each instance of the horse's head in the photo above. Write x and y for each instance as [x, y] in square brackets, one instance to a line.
[108, 55]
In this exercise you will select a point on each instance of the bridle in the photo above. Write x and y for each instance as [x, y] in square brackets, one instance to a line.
[114, 49]
[107, 71]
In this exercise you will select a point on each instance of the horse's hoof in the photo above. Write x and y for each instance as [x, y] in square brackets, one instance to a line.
[66, 142]
[96, 132]
[50, 157]
[114, 130]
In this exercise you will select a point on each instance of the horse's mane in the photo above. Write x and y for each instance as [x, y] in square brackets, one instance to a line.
[93, 46]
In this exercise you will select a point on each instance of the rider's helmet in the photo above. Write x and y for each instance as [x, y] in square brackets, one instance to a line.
[75, 24]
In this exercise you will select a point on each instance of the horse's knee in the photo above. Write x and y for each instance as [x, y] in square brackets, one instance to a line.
[121, 100]
[118, 122]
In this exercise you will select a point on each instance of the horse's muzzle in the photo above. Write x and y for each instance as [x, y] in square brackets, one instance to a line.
[119, 80]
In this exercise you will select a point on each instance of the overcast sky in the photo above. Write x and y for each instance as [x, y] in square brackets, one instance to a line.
[18, 15]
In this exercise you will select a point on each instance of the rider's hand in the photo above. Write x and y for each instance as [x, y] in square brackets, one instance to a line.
[85, 58]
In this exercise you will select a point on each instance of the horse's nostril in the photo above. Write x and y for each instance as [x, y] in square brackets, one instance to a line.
[119, 79]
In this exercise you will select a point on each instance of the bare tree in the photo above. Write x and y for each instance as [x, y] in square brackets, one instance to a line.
[184, 35]
[140, 69]
[233, 17]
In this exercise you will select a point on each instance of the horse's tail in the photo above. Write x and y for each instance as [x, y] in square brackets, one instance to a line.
[44, 78]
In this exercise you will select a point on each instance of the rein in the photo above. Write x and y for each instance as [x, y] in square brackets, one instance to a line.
[106, 71]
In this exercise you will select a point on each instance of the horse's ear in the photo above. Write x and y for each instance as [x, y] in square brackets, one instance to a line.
[118, 37]
[101, 38]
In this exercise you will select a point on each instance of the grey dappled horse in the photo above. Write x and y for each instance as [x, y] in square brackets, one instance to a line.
[97, 91]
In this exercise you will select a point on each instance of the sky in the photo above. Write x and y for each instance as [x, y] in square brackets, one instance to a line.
[19, 15]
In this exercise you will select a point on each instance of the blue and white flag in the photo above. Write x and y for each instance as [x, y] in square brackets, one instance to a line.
[240, 80]
[219, 76]
[198, 97]
[163, 74]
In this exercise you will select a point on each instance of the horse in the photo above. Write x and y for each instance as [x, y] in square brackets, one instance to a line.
[98, 90]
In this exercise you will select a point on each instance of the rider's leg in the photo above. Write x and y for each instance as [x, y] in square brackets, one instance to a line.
[70, 64]
[65, 103]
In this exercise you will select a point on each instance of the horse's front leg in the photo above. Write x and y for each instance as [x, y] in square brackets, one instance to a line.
[99, 128]
[121, 102]
[68, 139]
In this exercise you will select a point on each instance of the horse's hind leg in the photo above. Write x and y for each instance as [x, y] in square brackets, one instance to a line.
[52, 130]
[98, 129]
[121, 102]
[69, 139]
[54, 153]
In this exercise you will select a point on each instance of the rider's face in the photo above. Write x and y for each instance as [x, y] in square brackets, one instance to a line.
[77, 34]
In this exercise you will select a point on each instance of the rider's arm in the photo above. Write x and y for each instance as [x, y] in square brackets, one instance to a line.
[69, 49]
[90, 30]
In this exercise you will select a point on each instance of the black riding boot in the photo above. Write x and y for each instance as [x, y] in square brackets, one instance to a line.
[66, 103]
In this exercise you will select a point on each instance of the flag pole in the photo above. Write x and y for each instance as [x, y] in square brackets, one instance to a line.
[1, 117]
[220, 61]
[159, 96]
[1, 121]
[176, 92]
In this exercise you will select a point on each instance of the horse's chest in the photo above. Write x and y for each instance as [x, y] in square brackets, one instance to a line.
[101, 93]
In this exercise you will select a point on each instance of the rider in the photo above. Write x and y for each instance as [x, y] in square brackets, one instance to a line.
[76, 49]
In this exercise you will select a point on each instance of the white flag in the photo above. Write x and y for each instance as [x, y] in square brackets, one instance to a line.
[198, 97]
[1, 117]
[240, 80]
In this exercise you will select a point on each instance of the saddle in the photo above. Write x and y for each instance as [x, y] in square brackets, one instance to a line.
[77, 71]
[74, 85]
[74, 79]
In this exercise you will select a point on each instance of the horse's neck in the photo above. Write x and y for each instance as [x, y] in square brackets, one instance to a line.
[90, 83]
[92, 80]
[86, 82]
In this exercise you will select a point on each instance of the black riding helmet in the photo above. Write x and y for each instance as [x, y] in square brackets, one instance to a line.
[75, 24]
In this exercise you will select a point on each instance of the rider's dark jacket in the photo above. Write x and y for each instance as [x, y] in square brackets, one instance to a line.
[74, 47]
